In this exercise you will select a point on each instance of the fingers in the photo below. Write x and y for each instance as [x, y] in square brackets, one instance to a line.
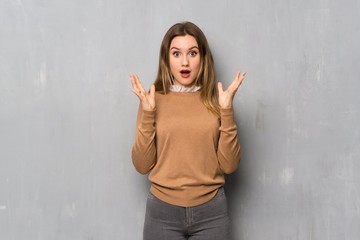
[147, 99]
[152, 91]
[220, 87]
[239, 77]
[137, 87]
[135, 83]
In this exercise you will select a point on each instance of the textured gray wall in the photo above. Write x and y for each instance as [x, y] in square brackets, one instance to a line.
[67, 114]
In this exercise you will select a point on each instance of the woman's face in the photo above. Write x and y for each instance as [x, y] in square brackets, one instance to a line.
[184, 60]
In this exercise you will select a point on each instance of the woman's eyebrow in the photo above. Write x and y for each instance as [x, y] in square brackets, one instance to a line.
[179, 48]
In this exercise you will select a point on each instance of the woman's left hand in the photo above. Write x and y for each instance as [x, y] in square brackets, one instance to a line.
[226, 97]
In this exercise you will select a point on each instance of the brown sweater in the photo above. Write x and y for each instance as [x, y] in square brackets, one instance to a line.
[185, 148]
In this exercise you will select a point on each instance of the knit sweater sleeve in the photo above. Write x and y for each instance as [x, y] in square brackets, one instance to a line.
[144, 147]
[229, 149]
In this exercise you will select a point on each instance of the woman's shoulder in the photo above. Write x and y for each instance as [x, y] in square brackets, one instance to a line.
[160, 93]
[160, 97]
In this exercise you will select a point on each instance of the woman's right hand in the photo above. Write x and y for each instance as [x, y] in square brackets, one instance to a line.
[147, 99]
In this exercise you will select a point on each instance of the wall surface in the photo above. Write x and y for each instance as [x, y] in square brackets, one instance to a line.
[67, 114]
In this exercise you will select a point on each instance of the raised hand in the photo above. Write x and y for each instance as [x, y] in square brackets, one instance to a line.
[147, 99]
[226, 97]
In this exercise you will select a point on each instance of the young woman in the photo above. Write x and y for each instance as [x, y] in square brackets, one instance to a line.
[186, 139]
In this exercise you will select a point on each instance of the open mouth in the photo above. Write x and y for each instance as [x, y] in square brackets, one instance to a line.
[185, 73]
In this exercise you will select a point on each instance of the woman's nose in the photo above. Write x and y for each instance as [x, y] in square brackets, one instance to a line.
[184, 61]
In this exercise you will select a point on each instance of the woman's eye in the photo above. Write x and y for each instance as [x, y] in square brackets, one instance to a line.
[176, 54]
[193, 53]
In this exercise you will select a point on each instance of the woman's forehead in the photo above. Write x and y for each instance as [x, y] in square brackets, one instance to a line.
[184, 42]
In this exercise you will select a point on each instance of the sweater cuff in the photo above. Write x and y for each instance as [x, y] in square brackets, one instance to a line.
[227, 118]
[148, 119]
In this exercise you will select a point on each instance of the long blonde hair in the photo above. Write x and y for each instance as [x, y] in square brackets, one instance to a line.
[206, 75]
